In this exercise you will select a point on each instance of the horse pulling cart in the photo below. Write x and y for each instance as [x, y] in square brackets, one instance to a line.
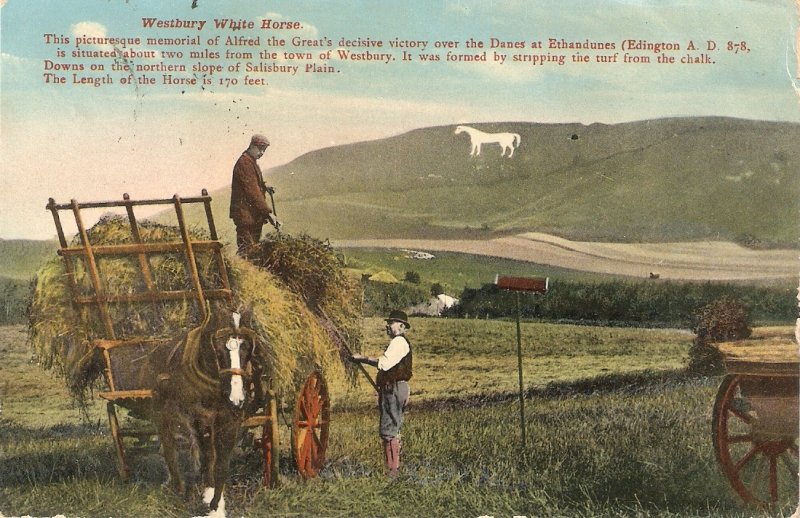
[133, 365]
[755, 421]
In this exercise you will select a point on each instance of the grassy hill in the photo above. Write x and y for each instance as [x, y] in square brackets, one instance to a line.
[19, 261]
[658, 180]
[652, 181]
[20, 258]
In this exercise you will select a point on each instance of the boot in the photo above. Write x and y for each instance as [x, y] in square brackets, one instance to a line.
[387, 456]
[394, 447]
[391, 456]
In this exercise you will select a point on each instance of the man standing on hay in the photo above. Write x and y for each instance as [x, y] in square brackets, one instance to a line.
[249, 209]
[394, 371]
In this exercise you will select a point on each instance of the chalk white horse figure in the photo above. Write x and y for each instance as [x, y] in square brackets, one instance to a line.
[508, 141]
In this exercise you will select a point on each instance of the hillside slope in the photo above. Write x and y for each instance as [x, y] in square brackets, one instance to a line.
[20, 258]
[655, 181]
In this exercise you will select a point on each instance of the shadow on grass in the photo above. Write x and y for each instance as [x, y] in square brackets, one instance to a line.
[66, 452]
[11, 431]
[46, 464]
[624, 384]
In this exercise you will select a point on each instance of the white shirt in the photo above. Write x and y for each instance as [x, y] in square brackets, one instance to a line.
[397, 349]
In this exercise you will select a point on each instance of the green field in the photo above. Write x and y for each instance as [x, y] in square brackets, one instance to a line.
[452, 270]
[600, 442]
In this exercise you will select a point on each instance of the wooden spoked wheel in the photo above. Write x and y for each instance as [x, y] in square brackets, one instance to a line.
[310, 431]
[755, 438]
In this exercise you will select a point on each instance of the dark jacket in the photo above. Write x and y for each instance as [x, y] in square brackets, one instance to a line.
[248, 205]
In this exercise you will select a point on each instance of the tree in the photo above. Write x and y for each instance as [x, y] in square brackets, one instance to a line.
[436, 289]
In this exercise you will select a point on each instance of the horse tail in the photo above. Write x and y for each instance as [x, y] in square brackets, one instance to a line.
[517, 139]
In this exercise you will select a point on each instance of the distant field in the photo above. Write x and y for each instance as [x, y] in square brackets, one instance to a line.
[454, 271]
[466, 358]
[701, 261]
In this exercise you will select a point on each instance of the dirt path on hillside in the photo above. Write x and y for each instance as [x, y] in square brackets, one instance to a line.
[703, 260]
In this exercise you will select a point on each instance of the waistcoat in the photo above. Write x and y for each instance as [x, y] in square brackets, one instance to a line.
[400, 372]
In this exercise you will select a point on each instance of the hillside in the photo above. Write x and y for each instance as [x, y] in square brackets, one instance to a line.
[656, 181]
[20, 258]
[659, 181]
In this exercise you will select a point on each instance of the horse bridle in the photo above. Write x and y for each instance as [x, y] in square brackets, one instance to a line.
[241, 332]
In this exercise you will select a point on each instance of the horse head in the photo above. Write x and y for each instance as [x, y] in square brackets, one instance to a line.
[235, 349]
[460, 129]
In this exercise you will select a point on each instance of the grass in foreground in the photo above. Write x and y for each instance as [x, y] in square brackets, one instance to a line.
[640, 448]
[615, 454]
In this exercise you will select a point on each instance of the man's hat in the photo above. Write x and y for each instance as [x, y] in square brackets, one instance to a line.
[398, 316]
[259, 140]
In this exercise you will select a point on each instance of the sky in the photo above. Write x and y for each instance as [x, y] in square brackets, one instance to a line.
[78, 141]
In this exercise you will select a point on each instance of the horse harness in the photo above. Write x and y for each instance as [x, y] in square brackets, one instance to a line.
[239, 333]
[236, 334]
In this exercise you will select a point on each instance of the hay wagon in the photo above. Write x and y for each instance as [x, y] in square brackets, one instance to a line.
[128, 375]
[755, 420]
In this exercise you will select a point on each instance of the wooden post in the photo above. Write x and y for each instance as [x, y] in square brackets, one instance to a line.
[144, 261]
[273, 423]
[94, 273]
[212, 229]
[519, 368]
[116, 435]
[62, 240]
[517, 285]
[190, 259]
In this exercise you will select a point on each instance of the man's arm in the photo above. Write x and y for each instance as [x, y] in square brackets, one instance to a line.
[395, 352]
[360, 358]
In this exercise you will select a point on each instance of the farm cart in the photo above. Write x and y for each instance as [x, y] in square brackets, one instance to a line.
[118, 315]
[755, 421]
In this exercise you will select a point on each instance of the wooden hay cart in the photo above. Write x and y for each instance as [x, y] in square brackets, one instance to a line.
[755, 421]
[129, 377]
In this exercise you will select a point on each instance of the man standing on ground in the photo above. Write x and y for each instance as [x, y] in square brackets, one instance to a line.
[249, 209]
[394, 371]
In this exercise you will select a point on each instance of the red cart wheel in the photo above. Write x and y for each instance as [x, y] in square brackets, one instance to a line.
[755, 438]
[310, 431]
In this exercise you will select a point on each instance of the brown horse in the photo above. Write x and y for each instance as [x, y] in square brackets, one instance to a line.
[212, 378]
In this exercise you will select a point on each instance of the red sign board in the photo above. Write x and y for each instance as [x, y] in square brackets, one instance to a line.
[530, 284]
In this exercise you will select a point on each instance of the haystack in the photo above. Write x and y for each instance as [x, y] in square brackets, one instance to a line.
[299, 330]
[384, 277]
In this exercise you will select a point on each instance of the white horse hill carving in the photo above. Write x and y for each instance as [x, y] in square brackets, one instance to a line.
[508, 141]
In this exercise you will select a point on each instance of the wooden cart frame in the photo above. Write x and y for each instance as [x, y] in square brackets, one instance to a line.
[755, 430]
[312, 407]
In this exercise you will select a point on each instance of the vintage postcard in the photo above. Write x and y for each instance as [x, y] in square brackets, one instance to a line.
[355, 258]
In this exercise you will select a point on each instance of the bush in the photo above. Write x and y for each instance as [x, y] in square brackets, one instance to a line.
[412, 277]
[726, 318]
[436, 289]
[631, 303]
[380, 298]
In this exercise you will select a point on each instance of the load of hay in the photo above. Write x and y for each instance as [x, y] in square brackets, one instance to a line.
[303, 316]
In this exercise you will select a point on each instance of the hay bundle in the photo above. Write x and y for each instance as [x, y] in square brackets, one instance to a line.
[311, 269]
[294, 340]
